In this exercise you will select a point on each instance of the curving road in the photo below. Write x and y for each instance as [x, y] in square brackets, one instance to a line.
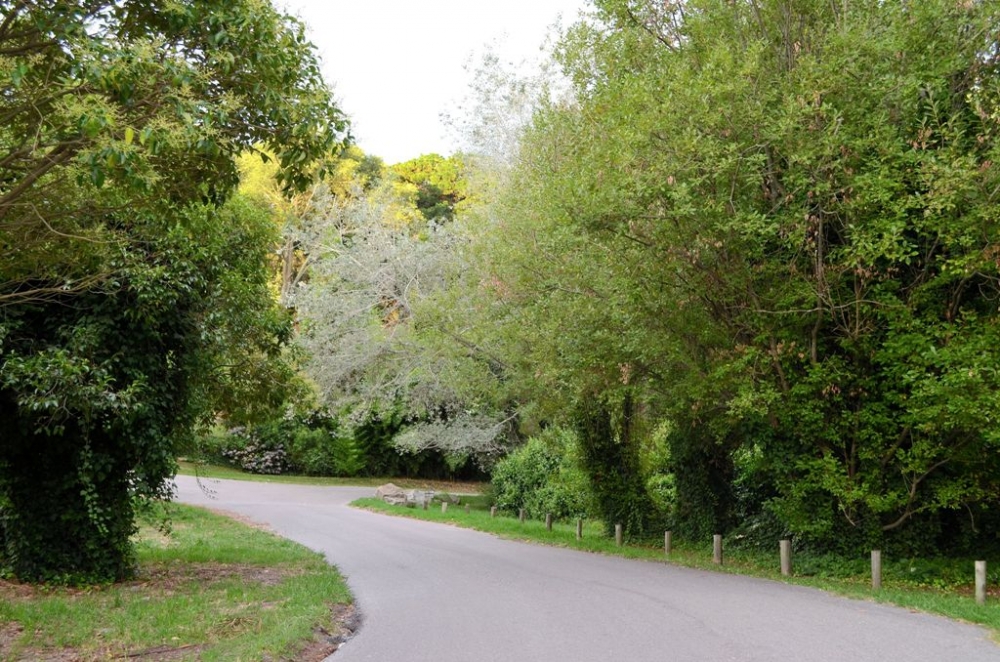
[437, 593]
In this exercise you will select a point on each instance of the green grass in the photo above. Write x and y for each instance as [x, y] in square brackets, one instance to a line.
[954, 602]
[216, 471]
[213, 588]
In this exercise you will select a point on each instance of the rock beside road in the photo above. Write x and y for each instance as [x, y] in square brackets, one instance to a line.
[392, 494]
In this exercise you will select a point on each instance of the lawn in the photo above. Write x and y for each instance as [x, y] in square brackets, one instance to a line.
[208, 588]
[215, 471]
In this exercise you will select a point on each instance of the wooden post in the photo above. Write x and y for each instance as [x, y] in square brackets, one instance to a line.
[444, 506]
[520, 514]
[468, 509]
[876, 569]
[426, 501]
[667, 542]
[618, 534]
[717, 549]
[980, 582]
[579, 528]
[493, 511]
[548, 521]
[785, 548]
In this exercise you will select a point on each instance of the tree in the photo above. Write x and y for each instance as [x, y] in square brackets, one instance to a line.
[133, 289]
[779, 215]
[440, 182]
[349, 172]
[371, 345]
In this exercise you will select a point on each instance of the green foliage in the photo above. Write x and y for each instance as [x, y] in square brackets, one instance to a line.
[135, 303]
[311, 444]
[704, 474]
[374, 436]
[610, 457]
[441, 184]
[314, 443]
[543, 477]
[325, 453]
[786, 264]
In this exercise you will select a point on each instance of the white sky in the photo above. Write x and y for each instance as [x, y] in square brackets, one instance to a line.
[396, 65]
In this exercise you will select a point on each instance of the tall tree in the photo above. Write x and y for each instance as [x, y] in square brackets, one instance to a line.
[372, 346]
[129, 286]
[786, 214]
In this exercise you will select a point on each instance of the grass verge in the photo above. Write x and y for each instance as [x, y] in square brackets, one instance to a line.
[215, 471]
[955, 602]
[210, 588]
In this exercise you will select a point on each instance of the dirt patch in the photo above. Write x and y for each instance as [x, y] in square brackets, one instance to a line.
[451, 487]
[242, 519]
[345, 620]
[157, 654]
[9, 633]
[168, 577]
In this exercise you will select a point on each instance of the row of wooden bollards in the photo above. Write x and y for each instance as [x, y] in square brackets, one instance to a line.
[980, 572]
[784, 552]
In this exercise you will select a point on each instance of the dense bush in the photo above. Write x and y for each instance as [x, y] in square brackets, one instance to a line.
[315, 443]
[253, 455]
[134, 297]
[309, 443]
[543, 476]
[324, 453]
[375, 436]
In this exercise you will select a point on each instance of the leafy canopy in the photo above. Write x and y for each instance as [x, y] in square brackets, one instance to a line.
[134, 294]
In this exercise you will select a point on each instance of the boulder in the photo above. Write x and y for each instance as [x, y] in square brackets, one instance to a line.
[391, 494]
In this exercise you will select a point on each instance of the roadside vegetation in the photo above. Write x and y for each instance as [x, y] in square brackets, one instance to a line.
[207, 588]
[938, 586]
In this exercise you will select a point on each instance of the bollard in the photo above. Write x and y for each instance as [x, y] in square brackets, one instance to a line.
[667, 542]
[520, 514]
[876, 569]
[548, 521]
[717, 549]
[493, 511]
[444, 506]
[785, 549]
[618, 534]
[468, 509]
[424, 504]
[579, 528]
[980, 582]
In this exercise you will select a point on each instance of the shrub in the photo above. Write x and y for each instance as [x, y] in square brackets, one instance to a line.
[662, 490]
[320, 452]
[543, 476]
[250, 452]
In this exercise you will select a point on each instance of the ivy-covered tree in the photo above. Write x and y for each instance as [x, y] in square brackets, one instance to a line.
[133, 288]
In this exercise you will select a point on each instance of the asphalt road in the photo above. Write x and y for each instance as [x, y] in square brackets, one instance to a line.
[437, 593]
